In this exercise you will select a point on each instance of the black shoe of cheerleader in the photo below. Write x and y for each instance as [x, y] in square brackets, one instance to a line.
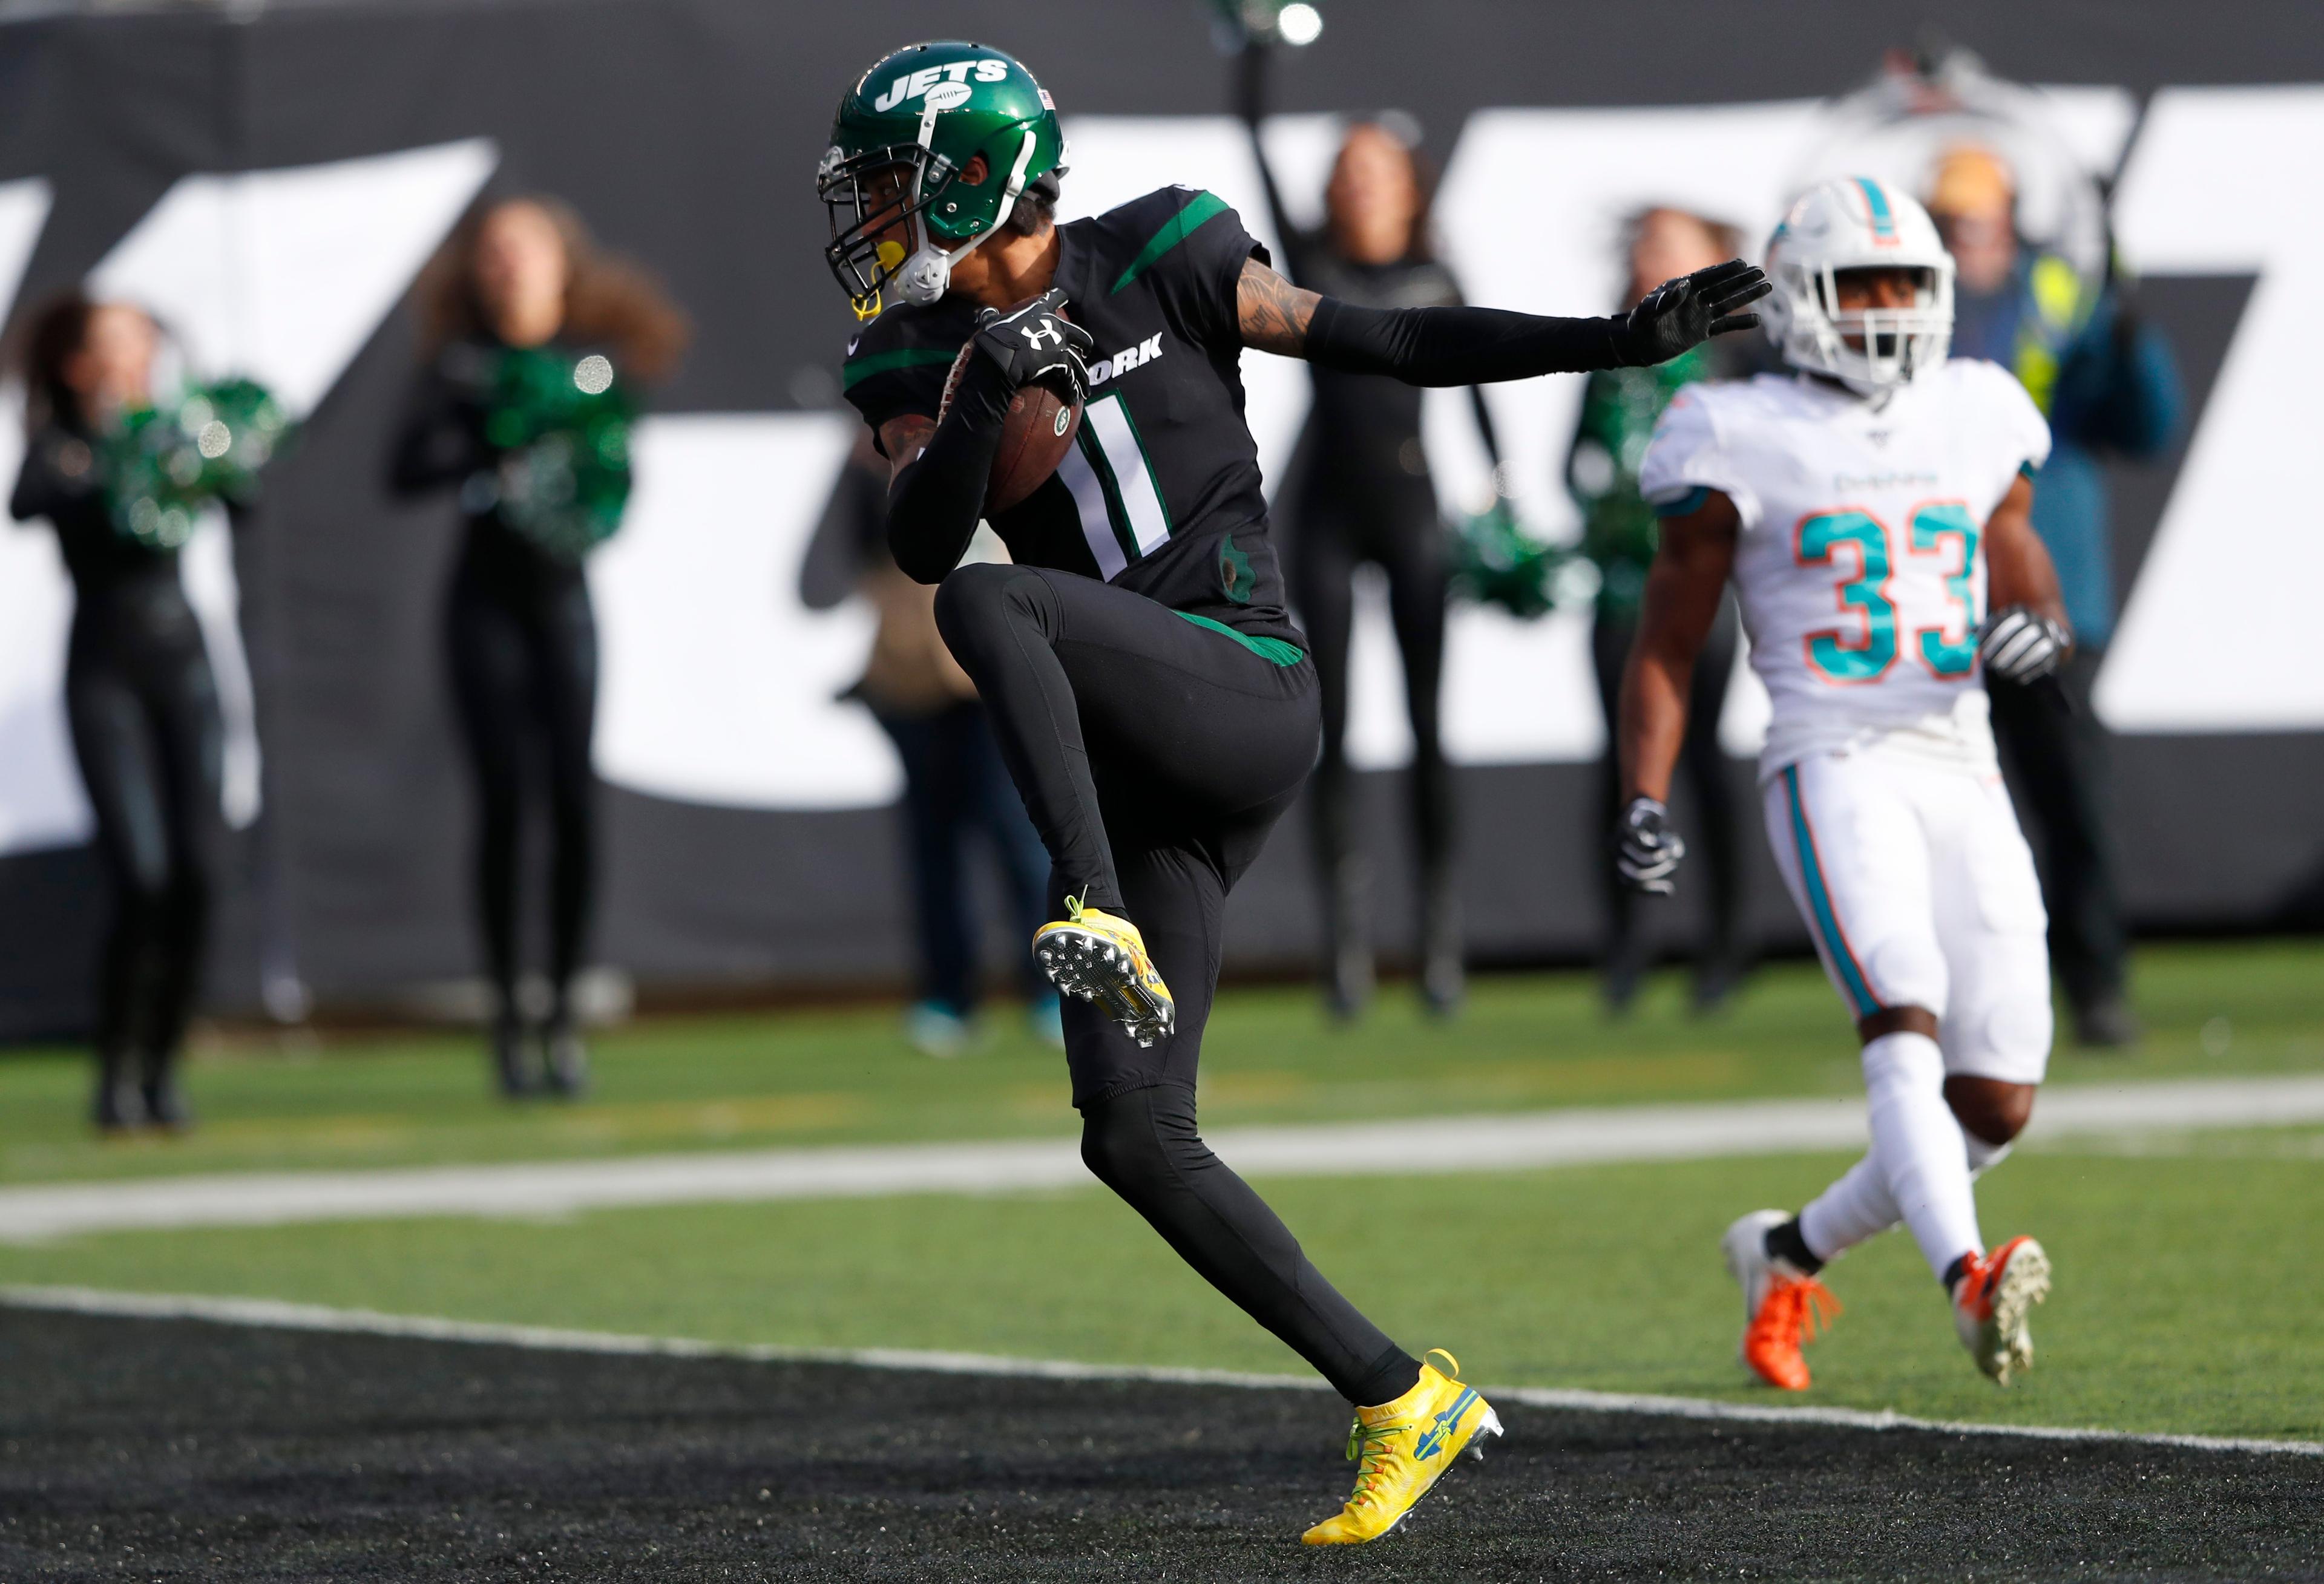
[1347, 941]
[165, 1103]
[119, 1107]
[1444, 978]
[568, 1059]
[510, 1065]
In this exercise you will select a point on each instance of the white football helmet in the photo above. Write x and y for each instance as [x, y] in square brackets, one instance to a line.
[1858, 223]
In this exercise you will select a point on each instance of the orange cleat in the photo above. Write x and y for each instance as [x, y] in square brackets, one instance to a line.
[1783, 1307]
[1991, 1301]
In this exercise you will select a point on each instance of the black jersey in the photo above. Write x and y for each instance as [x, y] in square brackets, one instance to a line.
[1161, 493]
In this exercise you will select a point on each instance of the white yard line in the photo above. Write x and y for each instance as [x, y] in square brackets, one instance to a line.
[1427, 1146]
[311, 1317]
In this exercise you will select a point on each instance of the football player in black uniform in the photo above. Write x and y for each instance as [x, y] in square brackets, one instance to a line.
[1152, 697]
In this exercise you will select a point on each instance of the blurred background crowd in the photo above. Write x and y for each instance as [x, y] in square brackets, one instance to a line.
[421, 607]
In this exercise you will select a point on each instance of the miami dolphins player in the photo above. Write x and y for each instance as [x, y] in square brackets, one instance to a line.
[1871, 508]
[1152, 697]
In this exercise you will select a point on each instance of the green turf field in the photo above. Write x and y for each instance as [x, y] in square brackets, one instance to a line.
[2191, 1268]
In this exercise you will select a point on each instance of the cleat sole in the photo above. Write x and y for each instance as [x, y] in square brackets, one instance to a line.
[1092, 969]
[2024, 1283]
[1490, 1425]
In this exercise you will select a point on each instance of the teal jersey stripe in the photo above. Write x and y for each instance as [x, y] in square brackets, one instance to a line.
[2027, 469]
[903, 357]
[1267, 649]
[1684, 505]
[1827, 924]
[1180, 226]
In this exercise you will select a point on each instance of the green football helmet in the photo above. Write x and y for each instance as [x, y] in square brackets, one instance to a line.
[927, 113]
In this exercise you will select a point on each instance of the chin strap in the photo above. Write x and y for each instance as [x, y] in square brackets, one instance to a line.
[927, 275]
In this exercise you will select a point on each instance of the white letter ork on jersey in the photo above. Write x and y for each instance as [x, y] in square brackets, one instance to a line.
[1127, 359]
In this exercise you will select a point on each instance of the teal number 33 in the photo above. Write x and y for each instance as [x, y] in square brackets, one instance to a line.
[1932, 526]
[1857, 543]
[1864, 656]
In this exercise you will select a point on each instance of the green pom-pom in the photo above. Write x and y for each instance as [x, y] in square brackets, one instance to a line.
[1495, 562]
[164, 465]
[562, 425]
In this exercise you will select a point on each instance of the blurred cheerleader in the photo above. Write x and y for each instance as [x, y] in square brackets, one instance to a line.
[1364, 496]
[534, 344]
[139, 692]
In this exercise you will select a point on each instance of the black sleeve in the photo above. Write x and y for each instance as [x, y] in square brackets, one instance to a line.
[1459, 346]
[935, 504]
[439, 441]
[43, 488]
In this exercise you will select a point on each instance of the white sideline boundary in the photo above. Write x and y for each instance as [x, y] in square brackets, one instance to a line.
[1416, 1146]
[275, 1315]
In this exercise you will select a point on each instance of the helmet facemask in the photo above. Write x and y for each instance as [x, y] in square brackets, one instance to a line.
[1836, 229]
[863, 255]
[1870, 350]
[866, 259]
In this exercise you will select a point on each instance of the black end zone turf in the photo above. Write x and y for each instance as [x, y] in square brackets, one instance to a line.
[177, 1450]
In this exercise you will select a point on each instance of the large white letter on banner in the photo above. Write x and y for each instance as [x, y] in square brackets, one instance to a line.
[2219, 633]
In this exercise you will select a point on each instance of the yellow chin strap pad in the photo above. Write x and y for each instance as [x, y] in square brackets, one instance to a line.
[890, 254]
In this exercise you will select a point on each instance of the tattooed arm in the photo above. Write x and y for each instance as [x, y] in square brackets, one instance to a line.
[1274, 314]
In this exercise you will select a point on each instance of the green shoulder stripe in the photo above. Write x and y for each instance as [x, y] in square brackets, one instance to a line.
[903, 357]
[1180, 226]
[1267, 648]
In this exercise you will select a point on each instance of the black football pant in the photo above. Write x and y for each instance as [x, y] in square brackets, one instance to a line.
[143, 708]
[524, 673]
[1154, 755]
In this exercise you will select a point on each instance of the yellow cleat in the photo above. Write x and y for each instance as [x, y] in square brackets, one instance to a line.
[1092, 954]
[1403, 1447]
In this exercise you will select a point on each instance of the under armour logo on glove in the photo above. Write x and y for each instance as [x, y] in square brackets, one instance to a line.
[2022, 645]
[1647, 850]
[1035, 343]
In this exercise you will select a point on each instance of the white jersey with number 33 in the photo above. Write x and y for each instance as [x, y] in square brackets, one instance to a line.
[1860, 562]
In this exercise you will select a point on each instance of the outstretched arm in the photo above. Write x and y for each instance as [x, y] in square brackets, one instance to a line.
[1479, 346]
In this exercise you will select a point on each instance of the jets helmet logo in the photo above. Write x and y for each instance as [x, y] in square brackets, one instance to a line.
[915, 84]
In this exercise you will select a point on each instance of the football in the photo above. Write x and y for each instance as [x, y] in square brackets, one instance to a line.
[1034, 437]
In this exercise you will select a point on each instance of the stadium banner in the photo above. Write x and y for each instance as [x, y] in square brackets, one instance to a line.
[271, 182]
